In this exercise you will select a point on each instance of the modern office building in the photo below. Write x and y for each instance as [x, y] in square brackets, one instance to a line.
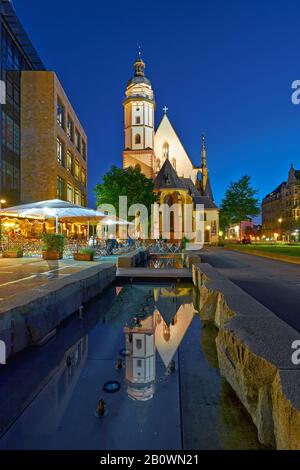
[53, 142]
[43, 149]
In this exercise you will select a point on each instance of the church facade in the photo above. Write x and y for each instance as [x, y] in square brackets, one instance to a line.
[159, 154]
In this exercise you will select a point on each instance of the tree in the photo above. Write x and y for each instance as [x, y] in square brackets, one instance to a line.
[239, 203]
[128, 182]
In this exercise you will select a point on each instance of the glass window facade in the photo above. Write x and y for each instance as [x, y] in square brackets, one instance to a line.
[16, 54]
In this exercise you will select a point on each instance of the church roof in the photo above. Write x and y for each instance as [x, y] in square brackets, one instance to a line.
[208, 190]
[135, 80]
[167, 178]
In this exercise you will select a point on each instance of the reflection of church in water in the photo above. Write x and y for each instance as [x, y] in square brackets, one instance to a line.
[160, 332]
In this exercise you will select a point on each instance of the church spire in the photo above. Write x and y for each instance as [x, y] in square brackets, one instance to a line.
[203, 152]
[139, 66]
[204, 169]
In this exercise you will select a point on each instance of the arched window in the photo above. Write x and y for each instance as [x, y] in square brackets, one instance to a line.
[174, 163]
[137, 139]
[158, 164]
[165, 151]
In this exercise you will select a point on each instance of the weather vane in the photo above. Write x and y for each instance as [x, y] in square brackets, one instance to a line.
[139, 50]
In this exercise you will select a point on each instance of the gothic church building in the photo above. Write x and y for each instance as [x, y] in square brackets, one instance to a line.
[160, 155]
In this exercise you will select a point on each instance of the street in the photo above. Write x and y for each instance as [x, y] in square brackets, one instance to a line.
[275, 284]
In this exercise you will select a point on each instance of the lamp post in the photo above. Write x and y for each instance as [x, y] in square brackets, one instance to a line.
[208, 228]
[280, 222]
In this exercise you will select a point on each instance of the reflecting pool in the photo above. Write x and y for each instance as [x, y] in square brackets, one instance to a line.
[151, 342]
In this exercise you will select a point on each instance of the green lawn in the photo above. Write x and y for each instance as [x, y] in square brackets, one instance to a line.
[289, 250]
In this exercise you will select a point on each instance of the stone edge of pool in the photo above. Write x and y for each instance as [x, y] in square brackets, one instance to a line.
[254, 353]
[35, 314]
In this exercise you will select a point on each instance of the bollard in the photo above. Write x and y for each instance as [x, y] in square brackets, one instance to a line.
[101, 407]
[119, 363]
[81, 312]
[69, 361]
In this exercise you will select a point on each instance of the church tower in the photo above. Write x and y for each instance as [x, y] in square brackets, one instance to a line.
[139, 107]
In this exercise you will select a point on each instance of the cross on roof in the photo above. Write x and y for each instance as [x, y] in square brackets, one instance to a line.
[165, 109]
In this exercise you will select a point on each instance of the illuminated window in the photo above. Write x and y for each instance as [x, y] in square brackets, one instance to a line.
[83, 176]
[137, 139]
[60, 151]
[158, 164]
[77, 197]
[83, 200]
[69, 161]
[77, 169]
[174, 163]
[60, 188]
[69, 193]
[60, 114]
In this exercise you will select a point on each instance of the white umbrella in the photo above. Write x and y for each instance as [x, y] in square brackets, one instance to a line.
[52, 209]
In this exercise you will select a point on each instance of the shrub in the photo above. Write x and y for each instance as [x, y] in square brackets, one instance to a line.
[15, 249]
[87, 251]
[53, 242]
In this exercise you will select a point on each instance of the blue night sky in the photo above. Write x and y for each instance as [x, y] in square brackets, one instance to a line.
[222, 67]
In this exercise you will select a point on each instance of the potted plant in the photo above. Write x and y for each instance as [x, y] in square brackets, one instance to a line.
[85, 254]
[53, 246]
[13, 252]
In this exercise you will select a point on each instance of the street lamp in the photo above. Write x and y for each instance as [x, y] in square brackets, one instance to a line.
[2, 201]
[280, 222]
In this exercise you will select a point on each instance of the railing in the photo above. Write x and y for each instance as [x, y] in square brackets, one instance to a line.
[160, 247]
[32, 248]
